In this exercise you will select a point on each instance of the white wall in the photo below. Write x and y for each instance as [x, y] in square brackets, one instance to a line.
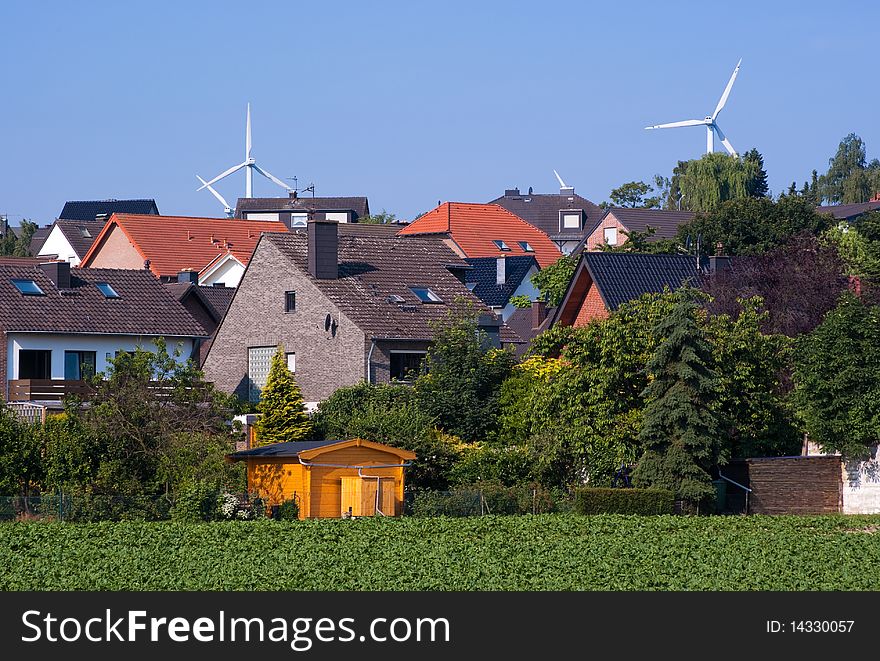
[57, 244]
[861, 485]
[566, 247]
[104, 346]
[261, 216]
[229, 272]
[525, 288]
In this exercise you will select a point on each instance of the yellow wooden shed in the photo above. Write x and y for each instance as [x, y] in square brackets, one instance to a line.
[329, 478]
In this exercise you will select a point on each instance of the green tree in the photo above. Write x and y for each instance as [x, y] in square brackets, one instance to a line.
[837, 379]
[850, 178]
[680, 432]
[644, 242]
[281, 408]
[18, 243]
[381, 218]
[703, 184]
[633, 195]
[756, 175]
[21, 465]
[552, 281]
[462, 378]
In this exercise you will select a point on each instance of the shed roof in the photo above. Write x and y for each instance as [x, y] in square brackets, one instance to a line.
[310, 449]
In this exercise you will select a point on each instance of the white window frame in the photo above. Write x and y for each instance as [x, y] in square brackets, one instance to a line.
[565, 220]
[612, 233]
[291, 361]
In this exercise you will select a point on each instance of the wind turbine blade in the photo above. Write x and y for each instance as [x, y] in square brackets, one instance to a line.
[271, 177]
[559, 179]
[234, 168]
[724, 141]
[214, 193]
[727, 89]
[247, 139]
[672, 125]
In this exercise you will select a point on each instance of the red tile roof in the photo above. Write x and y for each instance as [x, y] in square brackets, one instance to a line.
[474, 228]
[175, 243]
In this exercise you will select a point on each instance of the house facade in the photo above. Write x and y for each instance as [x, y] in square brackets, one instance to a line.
[59, 326]
[346, 309]
[295, 211]
[612, 228]
[495, 280]
[70, 240]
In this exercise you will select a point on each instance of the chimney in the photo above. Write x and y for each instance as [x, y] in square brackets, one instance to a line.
[57, 272]
[566, 190]
[323, 249]
[491, 325]
[188, 275]
[539, 313]
[501, 270]
[511, 192]
[718, 263]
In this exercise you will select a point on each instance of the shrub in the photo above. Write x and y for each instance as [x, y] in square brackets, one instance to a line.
[288, 510]
[200, 501]
[506, 465]
[489, 497]
[624, 501]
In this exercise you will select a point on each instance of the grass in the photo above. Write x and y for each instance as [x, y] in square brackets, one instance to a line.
[545, 552]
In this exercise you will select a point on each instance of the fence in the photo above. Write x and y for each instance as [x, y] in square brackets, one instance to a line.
[487, 499]
[28, 412]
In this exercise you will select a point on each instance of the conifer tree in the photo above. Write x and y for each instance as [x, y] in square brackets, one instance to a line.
[283, 416]
[680, 433]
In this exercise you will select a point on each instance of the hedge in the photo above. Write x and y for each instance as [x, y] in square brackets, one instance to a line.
[624, 501]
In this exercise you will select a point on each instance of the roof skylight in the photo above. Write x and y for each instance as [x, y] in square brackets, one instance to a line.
[106, 289]
[28, 287]
[425, 295]
[500, 244]
[526, 246]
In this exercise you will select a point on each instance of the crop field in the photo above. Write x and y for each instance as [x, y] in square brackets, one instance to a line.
[544, 552]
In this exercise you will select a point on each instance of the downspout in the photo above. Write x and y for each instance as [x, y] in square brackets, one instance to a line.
[369, 375]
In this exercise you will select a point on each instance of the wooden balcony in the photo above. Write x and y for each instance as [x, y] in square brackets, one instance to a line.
[47, 390]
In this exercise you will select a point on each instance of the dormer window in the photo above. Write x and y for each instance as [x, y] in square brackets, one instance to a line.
[106, 289]
[570, 219]
[425, 295]
[501, 245]
[28, 287]
[526, 246]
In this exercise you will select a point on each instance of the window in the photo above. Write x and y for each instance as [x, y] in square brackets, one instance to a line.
[571, 221]
[107, 290]
[611, 236]
[299, 219]
[425, 295]
[79, 365]
[291, 361]
[405, 365]
[500, 244]
[34, 364]
[395, 299]
[28, 287]
[259, 359]
[290, 301]
[526, 246]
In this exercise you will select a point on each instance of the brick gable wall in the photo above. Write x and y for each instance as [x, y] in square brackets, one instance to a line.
[597, 237]
[593, 307]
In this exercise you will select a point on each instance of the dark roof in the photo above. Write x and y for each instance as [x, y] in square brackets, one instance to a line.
[145, 306]
[216, 300]
[80, 234]
[289, 449]
[521, 323]
[622, 277]
[485, 274]
[373, 269]
[39, 238]
[90, 209]
[360, 205]
[638, 220]
[849, 211]
[369, 229]
[542, 211]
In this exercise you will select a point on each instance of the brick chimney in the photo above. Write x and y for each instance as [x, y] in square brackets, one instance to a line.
[511, 192]
[58, 273]
[501, 270]
[188, 275]
[539, 313]
[323, 249]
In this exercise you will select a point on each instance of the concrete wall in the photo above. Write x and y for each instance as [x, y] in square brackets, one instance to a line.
[324, 360]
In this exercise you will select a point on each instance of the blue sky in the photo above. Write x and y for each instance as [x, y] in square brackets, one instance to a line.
[410, 103]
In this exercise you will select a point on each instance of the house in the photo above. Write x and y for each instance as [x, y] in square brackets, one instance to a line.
[58, 325]
[208, 305]
[495, 280]
[295, 211]
[346, 309]
[329, 479]
[850, 212]
[70, 240]
[565, 217]
[484, 230]
[603, 281]
[88, 210]
[528, 323]
[611, 229]
[217, 248]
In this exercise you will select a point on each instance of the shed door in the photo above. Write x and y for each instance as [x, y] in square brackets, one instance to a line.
[359, 494]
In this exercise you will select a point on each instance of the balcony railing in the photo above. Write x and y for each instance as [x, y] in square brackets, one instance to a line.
[47, 390]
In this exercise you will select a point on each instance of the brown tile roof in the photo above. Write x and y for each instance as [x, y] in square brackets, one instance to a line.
[145, 306]
[175, 243]
[474, 227]
[373, 269]
[39, 238]
[542, 211]
[80, 234]
[638, 220]
[360, 205]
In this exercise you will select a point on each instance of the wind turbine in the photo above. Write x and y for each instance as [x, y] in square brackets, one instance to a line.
[226, 208]
[709, 121]
[250, 166]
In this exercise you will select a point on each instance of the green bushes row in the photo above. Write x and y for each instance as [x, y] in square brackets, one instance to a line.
[488, 497]
[624, 501]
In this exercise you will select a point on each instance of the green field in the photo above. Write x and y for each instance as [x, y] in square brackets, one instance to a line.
[545, 552]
